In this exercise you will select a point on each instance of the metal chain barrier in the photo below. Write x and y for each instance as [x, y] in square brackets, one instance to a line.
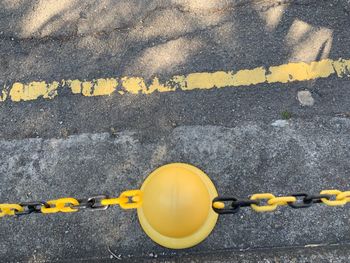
[127, 200]
[267, 202]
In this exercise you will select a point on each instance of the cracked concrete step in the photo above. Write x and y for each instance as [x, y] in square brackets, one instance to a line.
[321, 254]
[294, 156]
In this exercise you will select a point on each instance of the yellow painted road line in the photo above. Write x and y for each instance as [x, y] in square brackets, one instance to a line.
[298, 71]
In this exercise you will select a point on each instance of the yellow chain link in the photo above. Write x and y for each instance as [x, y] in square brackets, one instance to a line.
[263, 208]
[10, 209]
[280, 201]
[60, 205]
[127, 200]
[341, 198]
[344, 195]
[123, 199]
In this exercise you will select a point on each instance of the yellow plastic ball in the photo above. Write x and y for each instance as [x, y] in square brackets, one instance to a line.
[176, 210]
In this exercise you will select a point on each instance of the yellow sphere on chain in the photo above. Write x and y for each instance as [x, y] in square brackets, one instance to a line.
[176, 210]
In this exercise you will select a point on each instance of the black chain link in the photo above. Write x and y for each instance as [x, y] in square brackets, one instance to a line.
[31, 207]
[307, 200]
[234, 206]
[91, 203]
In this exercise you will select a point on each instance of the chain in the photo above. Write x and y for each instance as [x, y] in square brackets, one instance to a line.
[267, 202]
[262, 202]
[127, 200]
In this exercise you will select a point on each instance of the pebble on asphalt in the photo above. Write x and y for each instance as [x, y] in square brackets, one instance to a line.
[305, 98]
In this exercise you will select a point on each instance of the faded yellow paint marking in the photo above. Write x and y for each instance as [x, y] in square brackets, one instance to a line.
[296, 71]
[221, 79]
[105, 87]
[300, 71]
[99, 87]
[157, 86]
[342, 67]
[3, 96]
[288, 72]
[33, 90]
[250, 77]
[205, 80]
[134, 85]
[87, 88]
[75, 86]
[321, 69]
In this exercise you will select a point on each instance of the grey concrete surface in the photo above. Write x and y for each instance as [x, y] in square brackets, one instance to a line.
[302, 156]
[200, 36]
[291, 254]
[81, 146]
[322, 254]
[173, 41]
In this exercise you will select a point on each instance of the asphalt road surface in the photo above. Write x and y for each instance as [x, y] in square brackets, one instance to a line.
[250, 132]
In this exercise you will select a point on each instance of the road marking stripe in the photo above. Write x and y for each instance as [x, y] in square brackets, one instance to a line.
[297, 71]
